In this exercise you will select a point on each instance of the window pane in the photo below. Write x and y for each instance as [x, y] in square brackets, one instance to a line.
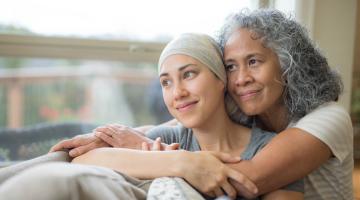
[53, 90]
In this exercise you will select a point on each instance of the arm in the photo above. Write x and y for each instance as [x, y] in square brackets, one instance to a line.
[283, 195]
[109, 135]
[289, 156]
[105, 136]
[139, 164]
[79, 144]
[154, 164]
[295, 152]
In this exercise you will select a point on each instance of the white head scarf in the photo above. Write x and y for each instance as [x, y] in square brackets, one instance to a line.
[199, 46]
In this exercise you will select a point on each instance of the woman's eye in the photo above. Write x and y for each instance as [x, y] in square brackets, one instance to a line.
[165, 82]
[252, 62]
[189, 74]
[230, 67]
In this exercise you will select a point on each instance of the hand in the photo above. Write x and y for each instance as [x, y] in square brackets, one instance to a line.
[121, 136]
[79, 144]
[208, 172]
[158, 146]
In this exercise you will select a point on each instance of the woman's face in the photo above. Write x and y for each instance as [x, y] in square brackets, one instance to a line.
[254, 76]
[192, 93]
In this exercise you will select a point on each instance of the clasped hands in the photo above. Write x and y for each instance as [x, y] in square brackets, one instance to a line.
[207, 171]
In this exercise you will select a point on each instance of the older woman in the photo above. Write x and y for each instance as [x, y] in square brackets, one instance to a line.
[284, 84]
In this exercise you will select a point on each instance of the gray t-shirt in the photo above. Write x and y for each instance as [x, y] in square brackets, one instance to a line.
[187, 140]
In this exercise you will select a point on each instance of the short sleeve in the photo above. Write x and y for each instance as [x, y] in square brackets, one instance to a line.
[331, 124]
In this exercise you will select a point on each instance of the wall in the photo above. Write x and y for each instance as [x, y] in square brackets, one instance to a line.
[332, 25]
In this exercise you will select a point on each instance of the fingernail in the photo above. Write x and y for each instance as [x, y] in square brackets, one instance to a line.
[158, 138]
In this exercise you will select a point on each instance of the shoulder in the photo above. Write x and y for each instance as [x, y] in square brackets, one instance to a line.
[259, 138]
[168, 134]
[330, 112]
[330, 123]
[330, 117]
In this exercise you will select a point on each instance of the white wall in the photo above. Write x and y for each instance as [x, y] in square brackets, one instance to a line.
[332, 26]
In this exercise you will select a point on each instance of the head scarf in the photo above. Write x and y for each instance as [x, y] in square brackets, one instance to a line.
[199, 46]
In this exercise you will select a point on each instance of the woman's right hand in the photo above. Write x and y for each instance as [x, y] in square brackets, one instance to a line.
[79, 144]
[208, 173]
[111, 135]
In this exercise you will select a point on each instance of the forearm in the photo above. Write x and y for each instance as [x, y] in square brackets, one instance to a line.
[288, 157]
[139, 164]
[283, 195]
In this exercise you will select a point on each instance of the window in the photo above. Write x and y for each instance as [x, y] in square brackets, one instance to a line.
[89, 62]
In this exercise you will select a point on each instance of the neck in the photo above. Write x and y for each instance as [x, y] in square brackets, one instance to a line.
[219, 133]
[275, 119]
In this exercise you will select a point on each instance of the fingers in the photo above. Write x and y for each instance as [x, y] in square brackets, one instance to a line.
[248, 187]
[173, 146]
[78, 151]
[106, 137]
[71, 143]
[226, 158]
[156, 145]
[229, 189]
[145, 146]
[210, 194]
[108, 130]
[218, 192]
[60, 145]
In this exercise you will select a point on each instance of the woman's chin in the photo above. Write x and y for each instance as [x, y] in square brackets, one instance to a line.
[189, 123]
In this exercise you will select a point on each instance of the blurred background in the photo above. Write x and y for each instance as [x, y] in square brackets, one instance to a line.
[67, 66]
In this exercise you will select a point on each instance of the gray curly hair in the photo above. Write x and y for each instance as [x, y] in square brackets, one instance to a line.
[309, 81]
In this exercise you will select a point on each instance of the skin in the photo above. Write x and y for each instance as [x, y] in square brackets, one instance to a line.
[185, 83]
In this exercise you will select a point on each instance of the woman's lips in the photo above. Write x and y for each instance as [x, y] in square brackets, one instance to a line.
[248, 95]
[185, 106]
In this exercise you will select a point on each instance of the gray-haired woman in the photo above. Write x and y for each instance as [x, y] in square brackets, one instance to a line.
[282, 83]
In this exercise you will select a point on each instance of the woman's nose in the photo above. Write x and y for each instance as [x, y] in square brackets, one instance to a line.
[243, 77]
[179, 91]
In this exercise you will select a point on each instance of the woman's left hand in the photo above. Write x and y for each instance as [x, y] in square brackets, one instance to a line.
[208, 173]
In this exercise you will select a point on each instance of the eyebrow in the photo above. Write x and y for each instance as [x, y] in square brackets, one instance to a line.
[246, 57]
[180, 69]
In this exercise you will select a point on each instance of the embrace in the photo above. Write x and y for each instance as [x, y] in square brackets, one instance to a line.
[255, 117]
